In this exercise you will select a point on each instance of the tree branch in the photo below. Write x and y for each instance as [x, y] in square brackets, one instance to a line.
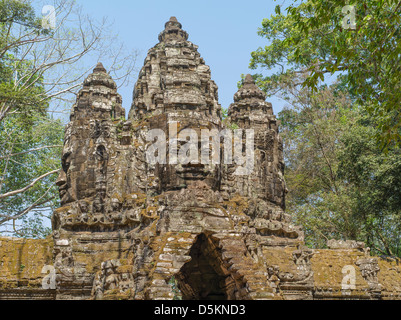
[29, 151]
[13, 193]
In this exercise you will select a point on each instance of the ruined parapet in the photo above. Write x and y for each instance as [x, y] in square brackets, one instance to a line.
[26, 269]
[348, 244]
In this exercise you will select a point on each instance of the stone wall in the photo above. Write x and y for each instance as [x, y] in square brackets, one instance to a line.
[22, 268]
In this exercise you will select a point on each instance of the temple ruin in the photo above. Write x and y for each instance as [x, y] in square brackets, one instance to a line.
[127, 229]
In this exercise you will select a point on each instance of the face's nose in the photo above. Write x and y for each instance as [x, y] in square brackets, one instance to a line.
[62, 179]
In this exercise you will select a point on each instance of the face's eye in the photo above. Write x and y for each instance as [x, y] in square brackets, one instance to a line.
[101, 153]
[65, 162]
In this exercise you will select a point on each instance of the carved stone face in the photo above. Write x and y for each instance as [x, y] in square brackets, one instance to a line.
[83, 165]
[64, 181]
[184, 164]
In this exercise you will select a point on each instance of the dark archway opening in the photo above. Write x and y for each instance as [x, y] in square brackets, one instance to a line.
[204, 277]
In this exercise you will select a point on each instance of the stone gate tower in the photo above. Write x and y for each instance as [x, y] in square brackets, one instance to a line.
[201, 226]
[130, 229]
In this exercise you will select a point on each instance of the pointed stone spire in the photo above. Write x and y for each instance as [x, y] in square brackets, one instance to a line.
[98, 99]
[249, 91]
[175, 86]
[173, 21]
[100, 77]
[99, 68]
[249, 80]
[251, 111]
[173, 31]
[250, 104]
[175, 79]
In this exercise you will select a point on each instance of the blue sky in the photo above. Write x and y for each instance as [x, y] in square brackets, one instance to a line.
[225, 31]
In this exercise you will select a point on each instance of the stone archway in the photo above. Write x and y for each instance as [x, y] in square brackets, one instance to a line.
[205, 277]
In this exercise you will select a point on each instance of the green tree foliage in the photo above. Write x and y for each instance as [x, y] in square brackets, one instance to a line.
[312, 36]
[17, 93]
[26, 153]
[30, 141]
[375, 178]
[341, 184]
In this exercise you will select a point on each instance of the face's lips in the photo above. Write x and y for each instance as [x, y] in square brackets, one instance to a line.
[63, 190]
